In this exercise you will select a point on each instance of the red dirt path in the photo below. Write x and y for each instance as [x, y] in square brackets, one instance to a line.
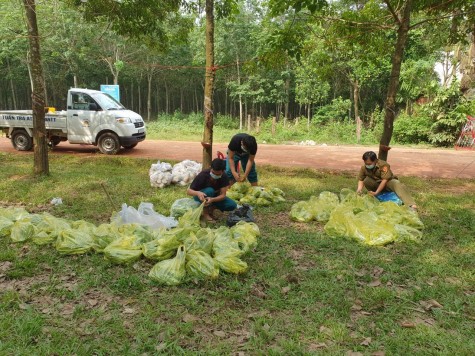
[425, 163]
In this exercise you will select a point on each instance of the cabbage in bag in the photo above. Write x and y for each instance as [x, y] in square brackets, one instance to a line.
[201, 265]
[124, 250]
[73, 242]
[22, 230]
[170, 272]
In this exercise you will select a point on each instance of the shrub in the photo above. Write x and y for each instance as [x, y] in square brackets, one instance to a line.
[412, 129]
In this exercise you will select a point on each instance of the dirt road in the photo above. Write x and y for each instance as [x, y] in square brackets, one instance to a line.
[426, 163]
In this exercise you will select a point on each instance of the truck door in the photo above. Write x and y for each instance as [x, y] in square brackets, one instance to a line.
[84, 114]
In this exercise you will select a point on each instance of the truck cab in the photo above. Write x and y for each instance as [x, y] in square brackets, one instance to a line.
[96, 118]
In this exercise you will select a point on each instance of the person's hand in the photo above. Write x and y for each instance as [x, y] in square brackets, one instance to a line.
[243, 179]
[373, 194]
[236, 176]
[359, 192]
[201, 196]
[207, 201]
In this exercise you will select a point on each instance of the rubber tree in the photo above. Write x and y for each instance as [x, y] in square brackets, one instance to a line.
[41, 165]
[210, 73]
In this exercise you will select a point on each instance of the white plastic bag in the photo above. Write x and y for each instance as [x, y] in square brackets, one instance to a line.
[145, 215]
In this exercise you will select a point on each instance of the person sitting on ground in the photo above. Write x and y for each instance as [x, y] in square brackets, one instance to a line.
[210, 186]
[242, 148]
[376, 176]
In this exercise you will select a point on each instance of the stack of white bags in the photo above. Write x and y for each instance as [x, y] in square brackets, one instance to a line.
[163, 174]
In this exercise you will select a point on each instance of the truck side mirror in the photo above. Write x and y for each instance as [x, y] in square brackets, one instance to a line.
[93, 107]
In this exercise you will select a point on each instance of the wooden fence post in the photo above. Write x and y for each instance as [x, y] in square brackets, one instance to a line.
[273, 126]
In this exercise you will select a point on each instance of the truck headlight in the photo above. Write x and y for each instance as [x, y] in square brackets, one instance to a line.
[124, 120]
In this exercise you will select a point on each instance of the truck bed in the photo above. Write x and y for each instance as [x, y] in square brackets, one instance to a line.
[24, 118]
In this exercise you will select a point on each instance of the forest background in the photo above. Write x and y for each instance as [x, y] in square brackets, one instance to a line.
[315, 72]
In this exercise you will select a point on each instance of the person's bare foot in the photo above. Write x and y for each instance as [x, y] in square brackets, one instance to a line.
[413, 207]
[208, 218]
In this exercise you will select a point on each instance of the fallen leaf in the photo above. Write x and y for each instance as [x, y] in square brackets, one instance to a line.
[353, 353]
[356, 307]
[219, 333]
[161, 346]
[378, 353]
[366, 341]
[266, 327]
[430, 304]
[374, 283]
[24, 306]
[408, 324]
[434, 303]
[5, 266]
[315, 347]
[188, 318]
[92, 302]
[324, 329]
[377, 271]
[68, 309]
[258, 314]
[285, 290]
[129, 311]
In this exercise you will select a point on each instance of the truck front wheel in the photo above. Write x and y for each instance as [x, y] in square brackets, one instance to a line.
[21, 141]
[109, 143]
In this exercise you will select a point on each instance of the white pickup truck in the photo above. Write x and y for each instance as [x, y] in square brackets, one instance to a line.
[92, 117]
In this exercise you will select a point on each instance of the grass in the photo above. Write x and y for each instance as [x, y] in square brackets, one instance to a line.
[304, 292]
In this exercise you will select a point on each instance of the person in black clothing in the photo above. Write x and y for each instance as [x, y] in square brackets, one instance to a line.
[210, 186]
[242, 148]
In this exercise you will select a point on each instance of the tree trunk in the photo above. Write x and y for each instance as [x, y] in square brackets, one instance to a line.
[308, 116]
[356, 91]
[167, 99]
[41, 166]
[468, 76]
[241, 117]
[207, 142]
[12, 86]
[390, 107]
[149, 96]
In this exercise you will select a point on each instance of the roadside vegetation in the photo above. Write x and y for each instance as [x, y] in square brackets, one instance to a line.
[304, 292]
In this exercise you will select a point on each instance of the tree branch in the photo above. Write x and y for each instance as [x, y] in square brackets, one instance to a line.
[391, 10]
[440, 18]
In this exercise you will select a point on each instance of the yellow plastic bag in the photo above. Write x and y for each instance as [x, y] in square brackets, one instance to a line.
[124, 250]
[48, 229]
[103, 235]
[191, 217]
[231, 263]
[373, 223]
[226, 252]
[5, 226]
[170, 272]
[301, 211]
[245, 234]
[22, 230]
[163, 247]
[73, 242]
[201, 265]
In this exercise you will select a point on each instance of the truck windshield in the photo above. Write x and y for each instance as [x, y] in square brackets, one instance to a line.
[107, 102]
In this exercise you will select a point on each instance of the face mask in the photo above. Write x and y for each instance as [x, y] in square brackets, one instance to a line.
[369, 166]
[214, 176]
[244, 149]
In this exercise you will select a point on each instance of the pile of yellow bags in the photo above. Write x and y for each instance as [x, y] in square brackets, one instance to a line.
[182, 253]
[363, 218]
